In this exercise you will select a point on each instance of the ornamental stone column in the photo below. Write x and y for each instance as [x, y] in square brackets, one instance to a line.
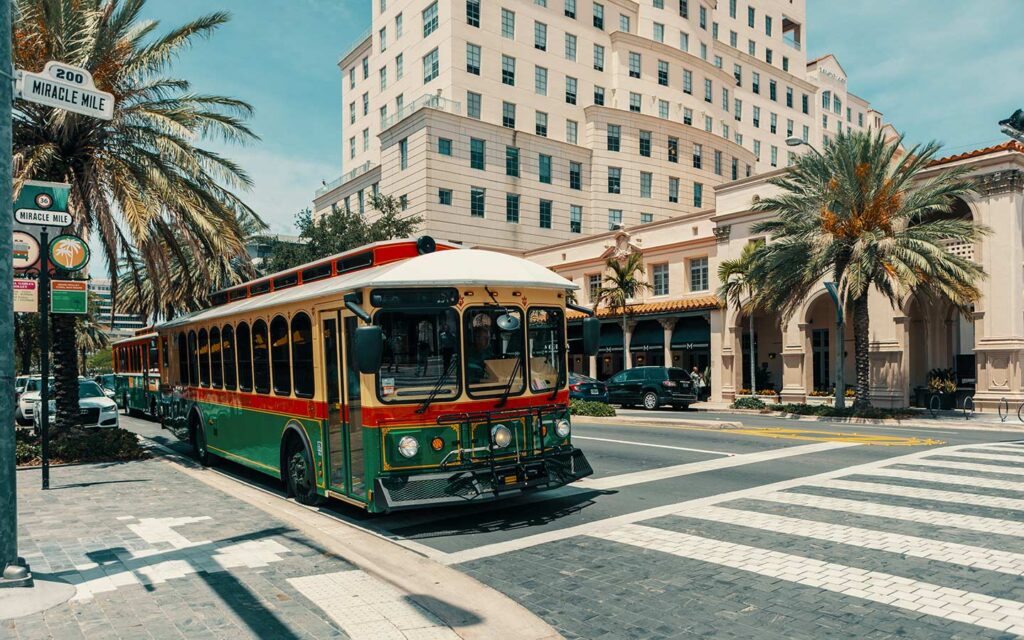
[669, 325]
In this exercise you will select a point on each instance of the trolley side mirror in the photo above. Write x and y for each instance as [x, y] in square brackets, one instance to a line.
[369, 349]
[591, 336]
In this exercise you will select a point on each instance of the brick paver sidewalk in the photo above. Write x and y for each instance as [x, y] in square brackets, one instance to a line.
[157, 554]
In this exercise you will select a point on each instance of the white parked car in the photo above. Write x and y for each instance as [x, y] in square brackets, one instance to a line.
[95, 409]
[27, 398]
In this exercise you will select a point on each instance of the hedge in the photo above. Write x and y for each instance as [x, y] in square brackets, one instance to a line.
[586, 408]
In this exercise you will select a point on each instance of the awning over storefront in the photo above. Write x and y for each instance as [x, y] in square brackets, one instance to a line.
[691, 332]
[611, 338]
[647, 336]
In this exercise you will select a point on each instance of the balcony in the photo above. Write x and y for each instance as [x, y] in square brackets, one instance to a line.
[334, 184]
[429, 102]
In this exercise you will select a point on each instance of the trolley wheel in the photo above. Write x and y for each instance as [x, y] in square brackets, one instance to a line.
[650, 400]
[200, 448]
[299, 475]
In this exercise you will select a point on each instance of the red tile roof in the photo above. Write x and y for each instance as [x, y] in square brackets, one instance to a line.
[650, 308]
[1009, 145]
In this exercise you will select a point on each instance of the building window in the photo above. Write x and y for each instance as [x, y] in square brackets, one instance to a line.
[541, 124]
[737, 109]
[708, 91]
[366, 68]
[698, 153]
[684, 41]
[687, 81]
[688, 116]
[645, 144]
[599, 15]
[398, 26]
[352, 147]
[757, 150]
[570, 9]
[508, 115]
[718, 163]
[659, 276]
[598, 57]
[540, 36]
[646, 217]
[634, 102]
[806, 133]
[614, 219]
[698, 274]
[772, 95]
[430, 66]
[789, 97]
[789, 127]
[508, 24]
[775, 156]
[570, 90]
[725, 100]
[512, 161]
[444, 146]
[430, 19]
[571, 131]
[540, 80]
[575, 175]
[575, 218]
[508, 70]
[366, 103]
[544, 168]
[473, 59]
[703, 18]
[599, 96]
[645, 184]
[708, 123]
[757, 117]
[662, 73]
[673, 149]
[473, 13]
[673, 189]
[768, 25]
[614, 180]
[473, 101]
[663, 109]
[477, 153]
[570, 47]
[698, 194]
[399, 66]
[768, 56]
[476, 202]
[545, 214]
[774, 123]
[594, 281]
[382, 35]
[735, 169]
[614, 137]
[366, 139]
[659, 32]
[403, 153]
[734, 39]
[624, 23]
[512, 207]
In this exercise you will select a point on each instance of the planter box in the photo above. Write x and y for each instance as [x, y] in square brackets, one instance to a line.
[772, 399]
[820, 400]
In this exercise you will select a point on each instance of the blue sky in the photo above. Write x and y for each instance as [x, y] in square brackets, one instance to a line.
[942, 69]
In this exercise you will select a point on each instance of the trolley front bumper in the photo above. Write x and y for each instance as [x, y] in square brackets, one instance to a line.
[482, 484]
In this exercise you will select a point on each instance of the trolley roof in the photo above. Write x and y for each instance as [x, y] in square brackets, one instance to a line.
[454, 268]
[136, 338]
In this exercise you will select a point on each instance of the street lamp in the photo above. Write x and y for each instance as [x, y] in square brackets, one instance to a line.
[1014, 125]
[794, 141]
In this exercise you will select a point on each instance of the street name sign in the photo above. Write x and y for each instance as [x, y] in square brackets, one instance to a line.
[43, 204]
[69, 296]
[26, 296]
[65, 87]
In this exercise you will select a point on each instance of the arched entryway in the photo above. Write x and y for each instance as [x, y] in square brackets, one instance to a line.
[821, 345]
[767, 351]
[939, 339]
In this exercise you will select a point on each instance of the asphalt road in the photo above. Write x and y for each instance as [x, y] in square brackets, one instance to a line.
[618, 554]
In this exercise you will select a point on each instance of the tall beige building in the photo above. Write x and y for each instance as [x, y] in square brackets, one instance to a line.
[515, 124]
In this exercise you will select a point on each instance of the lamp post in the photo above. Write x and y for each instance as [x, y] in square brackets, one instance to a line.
[1014, 125]
[800, 142]
[833, 292]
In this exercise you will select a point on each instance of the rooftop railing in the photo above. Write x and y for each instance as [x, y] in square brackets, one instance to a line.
[429, 101]
[334, 184]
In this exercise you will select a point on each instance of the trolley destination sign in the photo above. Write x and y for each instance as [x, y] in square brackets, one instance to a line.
[65, 87]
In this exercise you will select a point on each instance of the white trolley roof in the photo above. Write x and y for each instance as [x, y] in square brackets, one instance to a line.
[451, 268]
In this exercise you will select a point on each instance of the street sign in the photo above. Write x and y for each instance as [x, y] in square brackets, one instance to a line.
[65, 87]
[26, 296]
[69, 253]
[26, 250]
[43, 204]
[69, 296]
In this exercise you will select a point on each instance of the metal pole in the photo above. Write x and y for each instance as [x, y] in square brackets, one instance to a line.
[840, 365]
[13, 570]
[44, 352]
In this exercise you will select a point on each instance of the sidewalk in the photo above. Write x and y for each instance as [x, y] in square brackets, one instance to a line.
[155, 551]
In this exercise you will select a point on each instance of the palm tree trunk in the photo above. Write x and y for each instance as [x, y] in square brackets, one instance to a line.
[862, 358]
[753, 358]
[65, 371]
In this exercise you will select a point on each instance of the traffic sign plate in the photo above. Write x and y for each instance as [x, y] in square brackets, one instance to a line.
[70, 253]
[43, 218]
[65, 87]
[43, 204]
[26, 250]
[69, 296]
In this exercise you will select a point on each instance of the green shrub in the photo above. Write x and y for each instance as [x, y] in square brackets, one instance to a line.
[828, 411]
[749, 403]
[586, 408]
[101, 445]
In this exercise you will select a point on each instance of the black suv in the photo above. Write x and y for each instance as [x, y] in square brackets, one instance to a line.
[651, 387]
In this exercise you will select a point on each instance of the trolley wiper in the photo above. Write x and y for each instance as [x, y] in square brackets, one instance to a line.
[511, 379]
[439, 385]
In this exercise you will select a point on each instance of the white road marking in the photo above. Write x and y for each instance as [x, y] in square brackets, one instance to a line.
[368, 609]
[657, 446]
[958, 497]
[925, 516]
[952, 552]
[968, 466]
[674, 471]
[996, 457]
[875, 586]
[948, 478]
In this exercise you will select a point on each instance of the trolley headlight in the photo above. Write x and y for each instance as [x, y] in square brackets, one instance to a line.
[501, 436]
[408, 446]
[562, 428]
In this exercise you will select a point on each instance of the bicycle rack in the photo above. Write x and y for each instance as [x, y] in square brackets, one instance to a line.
[1003, 413]
[968, 407]
[935, 404]
[1019, 410]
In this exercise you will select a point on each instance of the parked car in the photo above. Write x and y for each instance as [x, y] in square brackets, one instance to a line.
[95, 409]
[108, 382]
[651, 387]
[27, 398]
[584, 388]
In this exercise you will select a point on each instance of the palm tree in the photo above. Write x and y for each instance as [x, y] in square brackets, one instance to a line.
[140, 181]
[738, 289]
[624, 281]
[861, 215]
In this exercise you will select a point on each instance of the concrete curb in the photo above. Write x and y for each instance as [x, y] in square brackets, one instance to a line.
[657, 422]
[473, 610]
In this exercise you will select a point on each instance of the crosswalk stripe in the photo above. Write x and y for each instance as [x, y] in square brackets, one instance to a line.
[951, 552]
[967, 466]
[948, 478]
[995, 457]
[924, 516]
[1003, 448]
[876, 586]
[958, 497]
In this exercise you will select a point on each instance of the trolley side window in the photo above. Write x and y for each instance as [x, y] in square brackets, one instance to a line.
[193, 358]
[547, 348]
[228, 349]
[260, 357]
[244, 342]
[182, 359]
[204, 358]
[154, 355]
[280, 362]
[216, 368]
[302, 355]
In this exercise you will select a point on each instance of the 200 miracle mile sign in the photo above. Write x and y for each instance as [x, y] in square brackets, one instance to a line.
[65, 87]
